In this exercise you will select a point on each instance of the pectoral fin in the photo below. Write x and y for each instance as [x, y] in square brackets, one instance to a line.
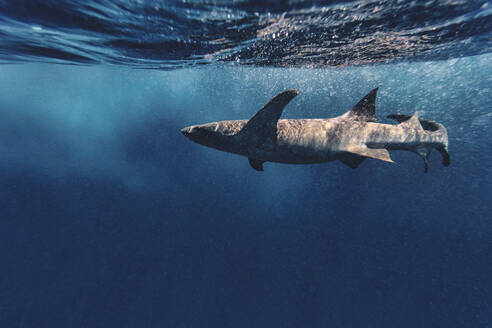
[381, 154]
[256, 164]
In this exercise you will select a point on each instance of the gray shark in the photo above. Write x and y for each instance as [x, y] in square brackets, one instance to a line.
[349, 138]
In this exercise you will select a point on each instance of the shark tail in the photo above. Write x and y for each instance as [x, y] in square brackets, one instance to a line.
[435, 128]
[446, 159]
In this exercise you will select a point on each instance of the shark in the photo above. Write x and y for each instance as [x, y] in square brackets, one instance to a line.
[350, 138]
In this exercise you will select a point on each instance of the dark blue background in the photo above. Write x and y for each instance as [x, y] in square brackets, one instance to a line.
[111, 218]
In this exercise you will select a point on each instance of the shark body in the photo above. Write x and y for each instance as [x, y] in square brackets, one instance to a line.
[349, 138]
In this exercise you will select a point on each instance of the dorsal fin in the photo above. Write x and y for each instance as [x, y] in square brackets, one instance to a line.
[262, 127]
[426, 124]
[365, 110]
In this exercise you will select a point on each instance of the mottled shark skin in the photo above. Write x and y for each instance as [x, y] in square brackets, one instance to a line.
[349, 138]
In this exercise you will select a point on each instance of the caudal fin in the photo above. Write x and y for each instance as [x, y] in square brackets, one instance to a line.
[430, 126]
[446, 159]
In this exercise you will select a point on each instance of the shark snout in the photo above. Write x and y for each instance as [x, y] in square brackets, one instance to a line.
[186, 131]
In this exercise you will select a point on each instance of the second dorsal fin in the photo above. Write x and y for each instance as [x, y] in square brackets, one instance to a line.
[365, 109]
[413, 122]
[426, 124]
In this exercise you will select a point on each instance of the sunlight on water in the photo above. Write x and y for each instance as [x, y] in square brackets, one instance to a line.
[174, 34]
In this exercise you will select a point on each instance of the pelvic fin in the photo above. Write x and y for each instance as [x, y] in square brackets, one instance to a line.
[381, 154]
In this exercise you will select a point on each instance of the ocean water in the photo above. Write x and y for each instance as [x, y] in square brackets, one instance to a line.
[109, 217]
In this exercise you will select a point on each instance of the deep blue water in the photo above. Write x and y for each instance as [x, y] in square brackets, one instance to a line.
[109, 217]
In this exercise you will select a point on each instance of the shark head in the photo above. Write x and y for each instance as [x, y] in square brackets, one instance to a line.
[234, 136]
[217, 135]
[204, 134]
